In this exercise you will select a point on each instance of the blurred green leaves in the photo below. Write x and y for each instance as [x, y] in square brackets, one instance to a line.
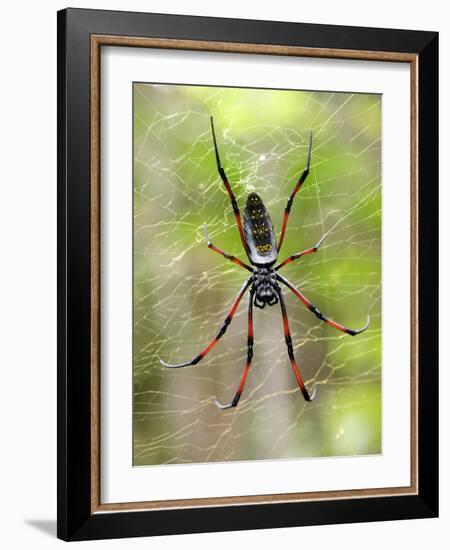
[182, 290]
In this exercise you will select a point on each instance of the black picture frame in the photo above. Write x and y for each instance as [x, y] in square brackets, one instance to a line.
[76, 519]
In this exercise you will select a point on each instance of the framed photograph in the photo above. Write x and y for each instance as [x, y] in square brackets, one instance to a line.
[247, 274]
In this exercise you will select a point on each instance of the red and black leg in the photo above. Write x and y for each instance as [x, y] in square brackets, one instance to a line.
[240, 389]
[299, 183]
[221, 171]
[298, 255]
[314, 309]
[221, 332]
[287, 335]
[225, 254]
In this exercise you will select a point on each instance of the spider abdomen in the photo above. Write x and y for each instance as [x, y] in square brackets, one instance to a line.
[259, 233]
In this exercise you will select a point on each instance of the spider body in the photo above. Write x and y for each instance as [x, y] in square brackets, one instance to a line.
[261, 251]
[259, 242]
[259, 233]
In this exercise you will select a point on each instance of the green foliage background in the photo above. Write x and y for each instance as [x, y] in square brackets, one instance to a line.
[183, 291]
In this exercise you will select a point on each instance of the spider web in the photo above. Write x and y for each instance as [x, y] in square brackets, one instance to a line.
[183, 290]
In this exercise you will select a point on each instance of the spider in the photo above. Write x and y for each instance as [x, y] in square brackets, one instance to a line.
[259, 242]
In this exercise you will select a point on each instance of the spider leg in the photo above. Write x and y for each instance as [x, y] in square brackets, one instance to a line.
[314, 309]
[221, 332]
[298, 255]
[299, 183]
[221, 171]
[224, 254]
[240, 389]
[288, 338]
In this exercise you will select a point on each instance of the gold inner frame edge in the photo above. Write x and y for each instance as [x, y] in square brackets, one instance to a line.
[97, 41]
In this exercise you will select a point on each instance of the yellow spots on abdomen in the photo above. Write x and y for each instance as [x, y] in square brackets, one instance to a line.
[264, 247]
[261, 231]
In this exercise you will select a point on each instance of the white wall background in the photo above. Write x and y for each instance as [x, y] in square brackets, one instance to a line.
[28, 273]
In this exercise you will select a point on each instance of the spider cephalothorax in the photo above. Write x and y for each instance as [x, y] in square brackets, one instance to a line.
[259, 242]
[266, 287]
